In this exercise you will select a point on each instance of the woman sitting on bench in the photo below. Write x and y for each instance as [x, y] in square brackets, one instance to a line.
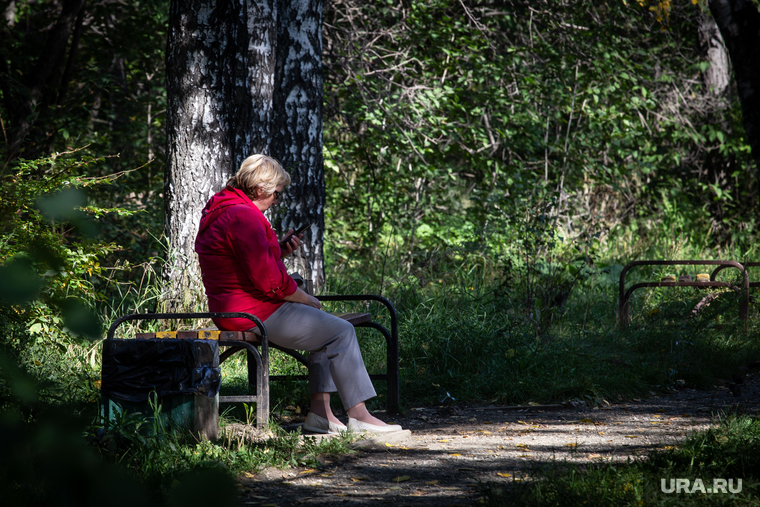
[242, 268]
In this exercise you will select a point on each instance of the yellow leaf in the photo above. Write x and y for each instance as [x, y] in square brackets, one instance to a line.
[444, 440]
[503, 474]
[389, 445]
[521, 422]
[432, 482]
[401, 478]
[309, 471]
[631, 436]
[455, 454]
[587, 420]
[357, 479]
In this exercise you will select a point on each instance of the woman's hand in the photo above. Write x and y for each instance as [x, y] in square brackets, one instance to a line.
[291, 245]
[299, 296]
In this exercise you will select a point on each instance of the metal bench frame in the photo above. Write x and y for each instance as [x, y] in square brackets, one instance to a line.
[258, 362]
[625, 295]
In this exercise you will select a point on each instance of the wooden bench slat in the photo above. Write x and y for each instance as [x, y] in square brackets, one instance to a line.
[247, 336]
[355, 318]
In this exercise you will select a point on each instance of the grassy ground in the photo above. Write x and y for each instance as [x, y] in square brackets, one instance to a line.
[705, 460]
[530, 333]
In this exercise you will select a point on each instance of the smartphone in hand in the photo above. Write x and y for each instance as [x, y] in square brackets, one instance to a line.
[296, 233]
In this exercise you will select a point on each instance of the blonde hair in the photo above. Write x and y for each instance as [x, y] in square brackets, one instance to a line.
[259, 172]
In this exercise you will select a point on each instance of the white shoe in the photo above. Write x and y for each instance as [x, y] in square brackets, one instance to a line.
[317, 424]
[358, 426]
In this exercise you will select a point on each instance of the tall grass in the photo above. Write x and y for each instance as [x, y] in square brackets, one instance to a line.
[476, 324]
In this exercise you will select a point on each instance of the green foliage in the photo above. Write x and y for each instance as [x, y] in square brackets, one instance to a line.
[51, 267]
[442, 114]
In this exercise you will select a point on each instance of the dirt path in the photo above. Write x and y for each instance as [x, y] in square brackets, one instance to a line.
[451, 450]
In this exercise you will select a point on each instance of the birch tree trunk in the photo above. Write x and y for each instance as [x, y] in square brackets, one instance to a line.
[297, 143]
[242, 78]
[718, 75]
[739, 23]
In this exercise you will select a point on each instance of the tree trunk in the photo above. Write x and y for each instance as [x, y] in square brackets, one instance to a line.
[718, 75]
[21, 104]
[241, 79]
[739, 23]
[200, 77]
[297, 143]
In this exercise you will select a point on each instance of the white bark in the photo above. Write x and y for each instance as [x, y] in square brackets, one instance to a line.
[242, 78]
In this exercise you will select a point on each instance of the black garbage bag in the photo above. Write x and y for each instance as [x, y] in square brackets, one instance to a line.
[132, 369]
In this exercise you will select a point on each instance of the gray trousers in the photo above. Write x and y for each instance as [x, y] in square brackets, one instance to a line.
[335, 361]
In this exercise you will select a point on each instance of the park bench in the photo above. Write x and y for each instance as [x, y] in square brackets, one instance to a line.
[257, 348]
[625, 295]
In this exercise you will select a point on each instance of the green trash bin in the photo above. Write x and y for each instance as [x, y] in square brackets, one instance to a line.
[178, 380]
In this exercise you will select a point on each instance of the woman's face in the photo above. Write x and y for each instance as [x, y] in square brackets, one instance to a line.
[266, 202]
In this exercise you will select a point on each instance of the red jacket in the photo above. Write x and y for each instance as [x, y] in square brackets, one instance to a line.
[240, 260]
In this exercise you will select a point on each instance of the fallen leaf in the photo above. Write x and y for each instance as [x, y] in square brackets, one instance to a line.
[394, 488]
[401, 478]
[357, 479]
[503, 474]
[432, 482]
[309, 471]
[444, 440]
[389, 445]
[631, 436]
[522, 422]
[587, 420]
[487, 422]
[455, 454]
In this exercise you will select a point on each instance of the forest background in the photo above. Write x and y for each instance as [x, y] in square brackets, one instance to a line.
[489, 166]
